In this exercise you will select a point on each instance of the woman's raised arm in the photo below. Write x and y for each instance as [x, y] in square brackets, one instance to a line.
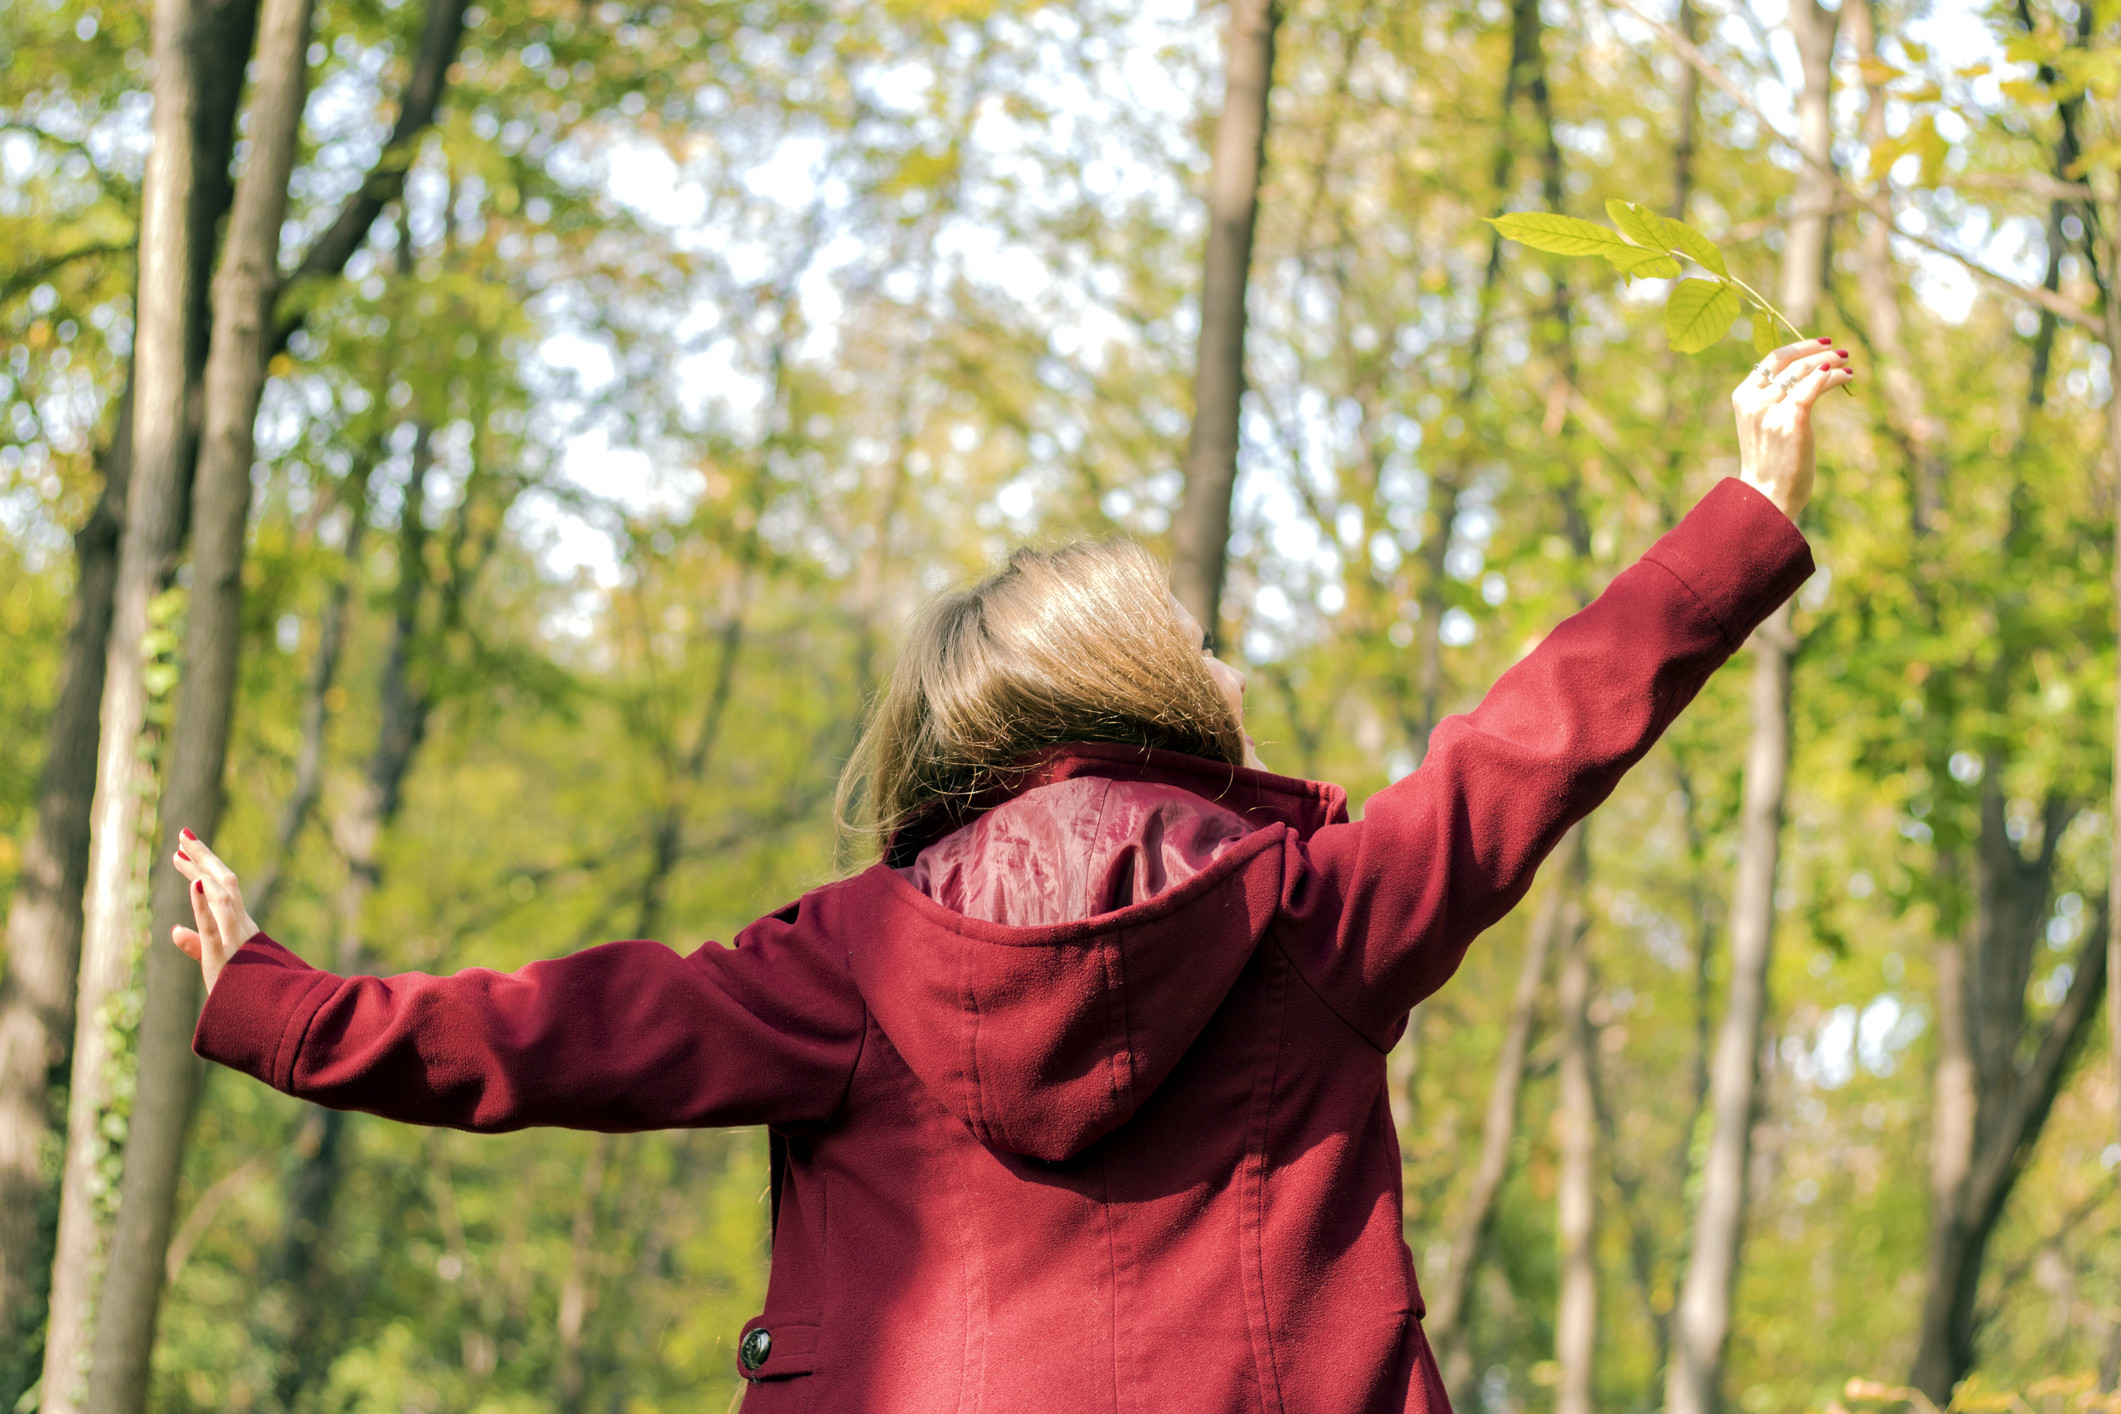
[626, 1036]
[1446, 852]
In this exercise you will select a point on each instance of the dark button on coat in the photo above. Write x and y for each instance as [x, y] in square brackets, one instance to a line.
[1136, 1161]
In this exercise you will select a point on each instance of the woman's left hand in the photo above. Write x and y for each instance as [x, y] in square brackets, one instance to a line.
[217, 907]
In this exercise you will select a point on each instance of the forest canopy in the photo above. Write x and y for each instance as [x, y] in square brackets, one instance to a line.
[483, 480]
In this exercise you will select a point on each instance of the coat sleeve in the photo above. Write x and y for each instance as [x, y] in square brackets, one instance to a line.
[626, 1036]
[1390, 903]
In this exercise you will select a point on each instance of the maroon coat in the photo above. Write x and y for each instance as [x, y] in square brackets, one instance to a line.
[1031, 1155]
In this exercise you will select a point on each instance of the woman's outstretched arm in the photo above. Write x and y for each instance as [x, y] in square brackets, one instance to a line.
[626, 1036]
[1450, 849]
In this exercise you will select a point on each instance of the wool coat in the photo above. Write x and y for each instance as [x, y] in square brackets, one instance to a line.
[1078, 1104]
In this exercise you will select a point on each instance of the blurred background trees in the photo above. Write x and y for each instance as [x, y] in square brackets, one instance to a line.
[623, 372]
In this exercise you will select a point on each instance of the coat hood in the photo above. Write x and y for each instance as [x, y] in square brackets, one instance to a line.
[1044, 967]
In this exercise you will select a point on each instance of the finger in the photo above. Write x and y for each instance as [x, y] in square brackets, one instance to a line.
[203, 914]
[214, 868]
[1803, 368]
[188, 942]
[187, 865]
[228, 920]
[1789, 353]
[1818, 384]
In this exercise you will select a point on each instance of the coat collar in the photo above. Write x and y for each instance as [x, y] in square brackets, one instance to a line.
[1262, 797]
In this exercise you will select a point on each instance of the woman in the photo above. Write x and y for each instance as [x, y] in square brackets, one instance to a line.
[1077, 1098]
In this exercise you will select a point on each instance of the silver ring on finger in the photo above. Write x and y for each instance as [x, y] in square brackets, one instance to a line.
[1766, 377]
[1787, 382]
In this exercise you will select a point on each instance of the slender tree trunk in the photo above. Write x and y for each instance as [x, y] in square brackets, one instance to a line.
[45, 920]
[575, 1293]
[2110, 1370]
[1576, 1204]
[1200, 535]
[1921, 433]
[316, 699]
[1689, 115]
[44, 931]
[244, 291]
[1448, 484]
[1448, 1293]
[403, 710]
[1702, 1320]
[198, 49]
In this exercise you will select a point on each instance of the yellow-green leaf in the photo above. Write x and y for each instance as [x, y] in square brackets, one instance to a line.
[1700, 313]
[1695, 246]
[1916, 53]
[1559, 235]
[1767, 333]
[1645, 227]
[1635, 223]
[1643, 264]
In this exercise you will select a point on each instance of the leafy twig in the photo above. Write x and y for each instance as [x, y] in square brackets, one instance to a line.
[1641, 244]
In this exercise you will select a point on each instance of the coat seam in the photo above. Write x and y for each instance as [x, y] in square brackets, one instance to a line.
[979, 1094]
[298, 1030]
[1723, 630]
[1281, 946]
[1254, 1200]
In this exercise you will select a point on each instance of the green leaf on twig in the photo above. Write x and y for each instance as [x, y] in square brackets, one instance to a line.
[1700, 313]
[1646, 228]
[1561, 235]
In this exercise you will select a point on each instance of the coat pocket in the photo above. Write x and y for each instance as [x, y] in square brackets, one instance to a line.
[780, 1343]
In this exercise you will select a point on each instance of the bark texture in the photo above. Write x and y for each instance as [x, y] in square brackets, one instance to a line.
[245, 288]
[1200, 536]
[1448, 1291]
[198, 49]
[404, 705]
[1576, 1186]
[1701, 1323]
[44, 933]
[1997, 1075]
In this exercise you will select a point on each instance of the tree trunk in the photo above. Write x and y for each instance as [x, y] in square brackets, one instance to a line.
[1576, 1204]
[316, 698]
[403, 709]
[2110, 1370]
[1702, 1319]
[44, 931]
[1200, 535]
[575, 1293]
[1689, 115]
[244, 291]
[1922, 435]
[1445, 1325]
[45, 921]
[198, 49]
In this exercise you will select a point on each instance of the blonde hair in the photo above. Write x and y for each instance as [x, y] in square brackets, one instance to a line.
[1079, 643]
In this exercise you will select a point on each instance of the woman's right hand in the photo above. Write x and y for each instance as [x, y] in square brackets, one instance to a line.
[216, 906]
[1774, 408]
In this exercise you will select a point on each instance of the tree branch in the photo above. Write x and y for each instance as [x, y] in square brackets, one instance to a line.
[417, 103]
[29, 276]
[1879, 205]
[2041, 1081]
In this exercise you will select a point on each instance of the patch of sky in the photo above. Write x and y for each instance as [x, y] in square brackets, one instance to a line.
[1850, 1038]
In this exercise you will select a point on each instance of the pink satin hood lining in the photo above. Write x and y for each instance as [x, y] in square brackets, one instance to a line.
[1075, 849]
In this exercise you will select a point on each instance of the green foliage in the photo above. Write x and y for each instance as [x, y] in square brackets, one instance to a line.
[1649, 246]
[791, 405]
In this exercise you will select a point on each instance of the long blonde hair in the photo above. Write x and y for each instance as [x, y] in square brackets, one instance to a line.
[1079, 643]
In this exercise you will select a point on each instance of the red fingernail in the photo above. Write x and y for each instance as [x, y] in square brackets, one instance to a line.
[1826, 341]
[189, 835]
[183, 856]
[198, 887]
